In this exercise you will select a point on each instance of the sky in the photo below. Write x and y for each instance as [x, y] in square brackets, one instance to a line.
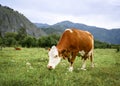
[100, 13]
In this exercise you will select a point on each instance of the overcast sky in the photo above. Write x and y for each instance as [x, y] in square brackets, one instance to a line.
[100, 13]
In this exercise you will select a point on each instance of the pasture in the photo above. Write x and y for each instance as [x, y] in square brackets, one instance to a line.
[27, 67]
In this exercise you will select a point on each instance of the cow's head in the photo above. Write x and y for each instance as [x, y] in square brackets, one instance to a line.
[54, 58]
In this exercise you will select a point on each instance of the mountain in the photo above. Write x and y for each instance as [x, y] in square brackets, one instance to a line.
[42, 25]
[101, 34]
[12, 21]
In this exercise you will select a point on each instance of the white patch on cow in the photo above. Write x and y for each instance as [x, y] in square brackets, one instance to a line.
[90, 52]
[54, 58]
[70, 56]
[83, 69]
[87, 32]
[71, 68]
[82, 53]
[69, 30]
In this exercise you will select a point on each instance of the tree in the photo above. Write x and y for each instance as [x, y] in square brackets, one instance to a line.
[48, 41]
[28, 42]
[10, 34]
[21, 34]
[10, 39]
[99, 44]
[34, 43]
[1, 43]
[118, 49]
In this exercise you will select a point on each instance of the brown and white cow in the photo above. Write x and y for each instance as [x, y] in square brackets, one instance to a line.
[72, 42]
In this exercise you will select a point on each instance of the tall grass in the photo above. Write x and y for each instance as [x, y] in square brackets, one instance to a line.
[27, 67]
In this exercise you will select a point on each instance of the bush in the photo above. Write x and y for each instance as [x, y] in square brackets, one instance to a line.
[1, 41]
[28, 42]
[48, 41]
[99, 44]
[9, 41]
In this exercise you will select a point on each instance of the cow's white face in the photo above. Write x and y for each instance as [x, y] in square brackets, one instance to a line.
[54, 58]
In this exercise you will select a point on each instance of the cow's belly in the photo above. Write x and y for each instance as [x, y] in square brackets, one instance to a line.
[82, 52]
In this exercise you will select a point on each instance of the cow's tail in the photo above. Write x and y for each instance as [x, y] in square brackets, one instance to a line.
[91, 56]
[92, 52]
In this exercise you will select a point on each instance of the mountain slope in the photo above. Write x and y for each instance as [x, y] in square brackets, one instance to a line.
[102, 34]
[42, 25]
[12, 21]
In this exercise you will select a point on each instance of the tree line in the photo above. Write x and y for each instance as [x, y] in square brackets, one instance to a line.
[21, 38]
[12, 39]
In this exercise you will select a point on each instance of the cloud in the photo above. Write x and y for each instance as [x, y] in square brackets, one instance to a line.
[101, 13]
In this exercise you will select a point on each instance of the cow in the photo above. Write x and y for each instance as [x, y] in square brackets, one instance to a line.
[72, 42]
[17, 48]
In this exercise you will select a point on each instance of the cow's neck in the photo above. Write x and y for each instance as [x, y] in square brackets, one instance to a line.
[64, 53]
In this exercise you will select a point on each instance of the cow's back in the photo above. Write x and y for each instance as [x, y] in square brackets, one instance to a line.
[76, 40]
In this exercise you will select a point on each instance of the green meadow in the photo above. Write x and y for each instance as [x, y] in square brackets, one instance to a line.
[27, 67]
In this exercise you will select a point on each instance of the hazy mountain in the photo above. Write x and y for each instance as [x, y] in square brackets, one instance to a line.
[42, 25]
[12, 21]
[102, 34]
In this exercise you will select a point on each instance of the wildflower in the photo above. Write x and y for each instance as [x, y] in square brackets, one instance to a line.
[29, 65]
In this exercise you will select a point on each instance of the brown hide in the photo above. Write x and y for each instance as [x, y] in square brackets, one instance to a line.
[72, 41]
[17, 48]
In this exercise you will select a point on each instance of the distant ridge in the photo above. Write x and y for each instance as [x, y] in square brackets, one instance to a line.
[12, 21]
[42, 25]
[102, 34]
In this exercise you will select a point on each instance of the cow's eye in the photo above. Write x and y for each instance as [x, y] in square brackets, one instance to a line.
[56, 56]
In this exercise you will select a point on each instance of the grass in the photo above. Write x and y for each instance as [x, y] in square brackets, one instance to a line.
[27, 67]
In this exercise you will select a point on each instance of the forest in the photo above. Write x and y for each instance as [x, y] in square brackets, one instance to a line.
[22, 39]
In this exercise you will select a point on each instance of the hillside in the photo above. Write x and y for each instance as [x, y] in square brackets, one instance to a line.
[12, 21]
[102, 34]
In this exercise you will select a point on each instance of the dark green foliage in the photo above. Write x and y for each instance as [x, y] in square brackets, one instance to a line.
[48, 41]
[99, 44]
[1, 41]
[21, 33]
[24, 40]
[118, 49]
[9, 39]
[11, 34]
[29, 42]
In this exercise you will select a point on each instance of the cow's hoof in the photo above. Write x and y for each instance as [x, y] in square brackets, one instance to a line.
[83, 69]
[93, 65]
[71, 69]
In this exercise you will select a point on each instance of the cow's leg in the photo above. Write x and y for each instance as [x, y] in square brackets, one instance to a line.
[84, 64]
[71, 67]
[84, 61]
[92, 60]
[71, 60]
[71, 64]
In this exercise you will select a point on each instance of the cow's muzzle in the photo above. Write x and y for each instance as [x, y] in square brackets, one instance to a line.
[49, 67]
